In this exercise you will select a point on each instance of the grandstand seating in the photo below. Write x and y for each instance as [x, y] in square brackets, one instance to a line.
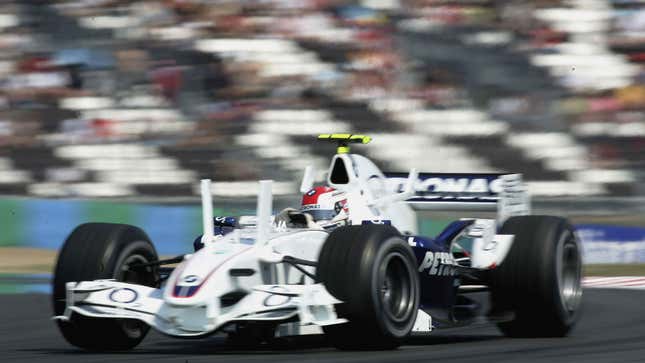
[171, 92]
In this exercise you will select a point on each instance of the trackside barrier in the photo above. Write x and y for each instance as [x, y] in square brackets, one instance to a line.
[46, 223]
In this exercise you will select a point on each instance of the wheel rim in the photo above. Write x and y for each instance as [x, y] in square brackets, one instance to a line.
[396, 290]
[135, 276]
[569, 272]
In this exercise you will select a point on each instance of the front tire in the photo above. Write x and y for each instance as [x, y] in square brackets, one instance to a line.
[103, 251]
[539, 281]
[373, 271]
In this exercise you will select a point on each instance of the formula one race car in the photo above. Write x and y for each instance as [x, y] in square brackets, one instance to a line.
[348, 263]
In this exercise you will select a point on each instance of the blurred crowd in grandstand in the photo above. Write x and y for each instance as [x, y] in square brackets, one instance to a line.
[120, 98]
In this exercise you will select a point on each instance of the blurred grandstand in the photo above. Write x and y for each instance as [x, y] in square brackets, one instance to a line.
[109, 98]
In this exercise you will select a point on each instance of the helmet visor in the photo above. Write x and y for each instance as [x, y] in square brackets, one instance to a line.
[321, 214]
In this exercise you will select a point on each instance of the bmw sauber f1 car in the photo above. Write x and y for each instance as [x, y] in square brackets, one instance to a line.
[349, 263]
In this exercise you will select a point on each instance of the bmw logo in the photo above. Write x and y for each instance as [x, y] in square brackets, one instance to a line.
[190, 279]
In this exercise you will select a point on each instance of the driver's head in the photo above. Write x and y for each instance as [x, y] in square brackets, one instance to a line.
[327, 206]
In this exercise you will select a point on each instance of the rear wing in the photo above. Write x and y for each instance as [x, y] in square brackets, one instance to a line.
[504, 193]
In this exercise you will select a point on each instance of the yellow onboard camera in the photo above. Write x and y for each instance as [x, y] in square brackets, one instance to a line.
[343, 140]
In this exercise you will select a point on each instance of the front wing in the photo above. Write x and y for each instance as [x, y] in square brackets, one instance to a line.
[310, 304]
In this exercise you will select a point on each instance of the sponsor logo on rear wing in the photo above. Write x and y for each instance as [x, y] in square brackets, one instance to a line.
[438, 187]
[505, 193]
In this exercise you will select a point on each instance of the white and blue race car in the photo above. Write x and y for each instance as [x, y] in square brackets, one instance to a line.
[366, 283]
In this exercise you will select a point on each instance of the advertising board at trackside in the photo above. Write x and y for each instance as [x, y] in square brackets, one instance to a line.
[612, 244]
[46, 223]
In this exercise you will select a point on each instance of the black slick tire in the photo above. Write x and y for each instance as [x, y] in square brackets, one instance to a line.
[539, 281]
[373, 270]
[103, 251]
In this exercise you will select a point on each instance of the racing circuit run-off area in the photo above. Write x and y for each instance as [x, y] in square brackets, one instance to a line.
[604, 334]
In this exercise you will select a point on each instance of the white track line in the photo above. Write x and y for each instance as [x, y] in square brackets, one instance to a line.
[627, 282]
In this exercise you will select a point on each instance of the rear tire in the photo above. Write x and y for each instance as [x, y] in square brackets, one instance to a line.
[103, 251]
[374, 272]
[539, 281]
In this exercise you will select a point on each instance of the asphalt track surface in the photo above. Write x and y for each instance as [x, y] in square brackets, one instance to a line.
[612, 329]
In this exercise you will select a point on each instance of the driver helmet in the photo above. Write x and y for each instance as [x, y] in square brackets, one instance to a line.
[327, 206]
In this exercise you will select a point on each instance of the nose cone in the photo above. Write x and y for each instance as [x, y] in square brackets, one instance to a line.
[204, 274]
